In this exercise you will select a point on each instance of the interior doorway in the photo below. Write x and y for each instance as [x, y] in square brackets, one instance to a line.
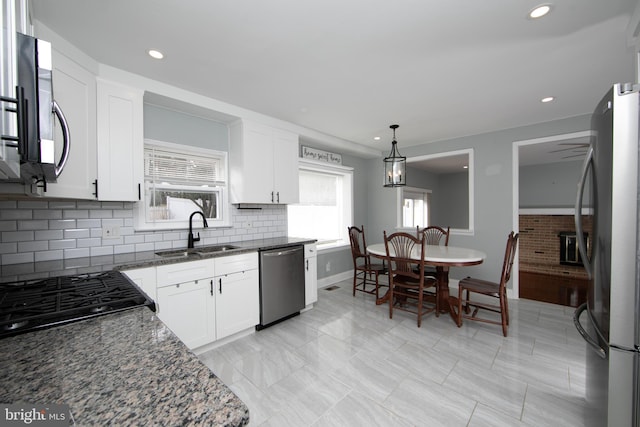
[543, 207]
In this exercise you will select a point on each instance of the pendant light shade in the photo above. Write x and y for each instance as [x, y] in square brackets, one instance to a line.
[395, 165]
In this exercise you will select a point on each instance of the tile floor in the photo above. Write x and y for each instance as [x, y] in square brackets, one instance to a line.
[345, 363]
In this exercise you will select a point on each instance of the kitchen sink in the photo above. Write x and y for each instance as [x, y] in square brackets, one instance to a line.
[217, 248]
[184, 253]
[178, 253]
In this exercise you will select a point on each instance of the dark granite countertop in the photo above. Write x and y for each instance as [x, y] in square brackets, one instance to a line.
[42, 269]
[125, 368]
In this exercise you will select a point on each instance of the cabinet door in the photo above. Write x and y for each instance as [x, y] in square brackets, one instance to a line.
[187, 309]
[237, 302]
[145, 278]
[74, 88]
[120, 142]
[258, 165]
[285, 171]
[310, 274]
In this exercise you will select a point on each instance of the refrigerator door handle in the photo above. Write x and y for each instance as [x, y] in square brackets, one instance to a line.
[582, 247]
[592, 343]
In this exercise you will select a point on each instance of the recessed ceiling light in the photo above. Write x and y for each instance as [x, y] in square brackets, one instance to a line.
[465, 167]
[540, 11]
[155, 54]
[376, 138]
[547, 99]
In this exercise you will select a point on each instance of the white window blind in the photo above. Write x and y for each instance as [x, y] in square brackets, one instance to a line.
[164, 165]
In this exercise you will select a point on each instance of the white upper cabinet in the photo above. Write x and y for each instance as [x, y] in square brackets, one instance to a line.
[74, 88]
[263, 164]
[120, 141]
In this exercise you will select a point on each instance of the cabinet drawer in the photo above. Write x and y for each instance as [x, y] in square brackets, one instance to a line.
[184, 272]
[235, 263]
[310, 250]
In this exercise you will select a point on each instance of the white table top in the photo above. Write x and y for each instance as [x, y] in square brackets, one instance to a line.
[439, 254]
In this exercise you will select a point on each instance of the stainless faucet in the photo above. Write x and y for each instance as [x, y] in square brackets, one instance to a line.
[191, 238]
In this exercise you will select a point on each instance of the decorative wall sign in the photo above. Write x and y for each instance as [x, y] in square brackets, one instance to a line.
[321, 156]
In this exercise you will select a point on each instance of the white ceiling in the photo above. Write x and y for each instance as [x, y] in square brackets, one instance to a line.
[350, 68]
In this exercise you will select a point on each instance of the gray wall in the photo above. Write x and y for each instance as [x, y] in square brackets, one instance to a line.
[549, 186]
[167, 125]
[450, 201]
[493, 177]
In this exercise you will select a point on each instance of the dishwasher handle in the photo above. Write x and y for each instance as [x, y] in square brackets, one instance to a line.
[281, 252]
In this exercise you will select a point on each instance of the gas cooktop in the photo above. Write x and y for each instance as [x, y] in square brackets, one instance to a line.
[36, 304]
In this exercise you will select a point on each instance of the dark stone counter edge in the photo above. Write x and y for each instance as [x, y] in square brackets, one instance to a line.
[132, 260]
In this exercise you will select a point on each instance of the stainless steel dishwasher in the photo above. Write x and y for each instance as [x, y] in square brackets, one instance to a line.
[281, 284]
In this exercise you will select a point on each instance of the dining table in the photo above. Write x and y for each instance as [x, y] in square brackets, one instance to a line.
[442, 258]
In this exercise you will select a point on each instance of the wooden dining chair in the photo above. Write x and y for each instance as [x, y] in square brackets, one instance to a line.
[433, 235]
[408, 284]
[496, 290]
[365, 272]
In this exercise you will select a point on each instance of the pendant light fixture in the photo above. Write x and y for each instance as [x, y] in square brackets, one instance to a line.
[395, 165]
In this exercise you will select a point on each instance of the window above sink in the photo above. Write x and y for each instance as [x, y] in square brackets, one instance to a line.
[178, 181]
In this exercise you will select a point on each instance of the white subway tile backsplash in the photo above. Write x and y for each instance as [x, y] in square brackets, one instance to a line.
[16, 236]
[62, 204]
[18, 258]
[32, 225]
[8, 225]
[48, 234]
[33, 246]
[61, 224]
[77, 253]
[48, 255]
[8, 248]
[62, 244]
[101, 250]
[33, 204]
[124, 249]
[38, 230]
[15, 214]
[76, 233]
[75, 214]
[141, 247]
[47, 214]
[89, 223]
[89, 243]
[96, 213]
[8, 204]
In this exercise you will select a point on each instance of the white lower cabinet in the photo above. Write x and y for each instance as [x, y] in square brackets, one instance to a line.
[201, 307]
[237, 293]
[310, 274]
[186, 301]
[187, 309]
[237, 304]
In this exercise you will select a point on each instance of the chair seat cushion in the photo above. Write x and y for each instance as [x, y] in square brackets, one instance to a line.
[480, 286]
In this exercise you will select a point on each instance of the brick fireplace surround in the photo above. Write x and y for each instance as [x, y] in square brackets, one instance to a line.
[542, 277]
[539, 244]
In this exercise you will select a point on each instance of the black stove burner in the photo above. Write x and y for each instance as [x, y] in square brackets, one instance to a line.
[35, 304]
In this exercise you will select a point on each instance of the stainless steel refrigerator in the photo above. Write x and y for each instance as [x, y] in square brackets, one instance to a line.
[609, 320]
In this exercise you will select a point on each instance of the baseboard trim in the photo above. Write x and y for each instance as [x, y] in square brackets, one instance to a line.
[331, 280]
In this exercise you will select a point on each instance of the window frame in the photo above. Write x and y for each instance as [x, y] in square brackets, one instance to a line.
[220, 187]
[401, 195]
[471, 214]
[345, 172]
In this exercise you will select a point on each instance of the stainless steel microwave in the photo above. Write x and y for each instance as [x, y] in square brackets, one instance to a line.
[28, 116]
